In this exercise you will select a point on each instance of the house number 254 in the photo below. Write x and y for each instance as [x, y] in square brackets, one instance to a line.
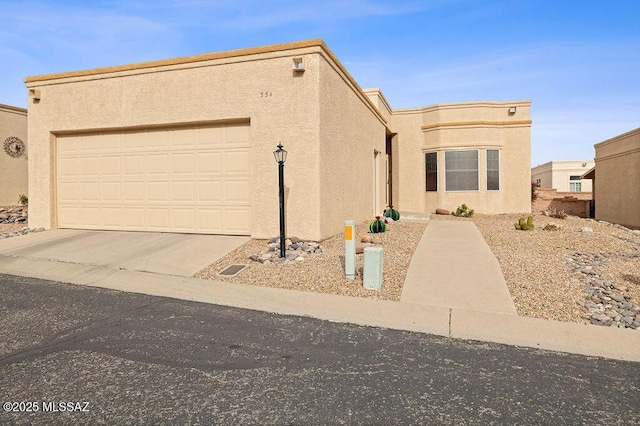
[266, 94]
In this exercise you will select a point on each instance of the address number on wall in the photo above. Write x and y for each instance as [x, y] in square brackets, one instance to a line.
[266, 94]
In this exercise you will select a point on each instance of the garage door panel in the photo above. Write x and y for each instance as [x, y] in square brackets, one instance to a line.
[68, 167]
[210, 220]
[133, 165]
[237, 191]
[236, 162]
[158, 218]
[89, 215]
[182, 164]
[237, 220]
[184, 219]
[112, 217]
[210, 162]
[158, 141]
[134, 191]
[89, 191]
[111, 142]
[210, 191]
[182, 138]
[89, 144]
[208, 137]
[110, 166]
[134, 217]
[237, 135]
[158, 164]
[194, 180]
[68, 191]
[184, 191]
[158, 191]
[89, 166]
[111, 191]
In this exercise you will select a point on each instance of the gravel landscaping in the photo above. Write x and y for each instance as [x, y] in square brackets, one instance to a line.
[324, 272]
[564, 275]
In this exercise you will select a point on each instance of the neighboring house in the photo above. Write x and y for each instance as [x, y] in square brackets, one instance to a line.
[563, 176]
[13, 157]
[616, 179]
[185, 145]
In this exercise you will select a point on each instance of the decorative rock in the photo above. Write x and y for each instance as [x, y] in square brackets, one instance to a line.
[361, 246]
[551, 227]
[600, 317]
[586, 229]
[297, 250]
[376, 241]
[367, 239]
[442, 212]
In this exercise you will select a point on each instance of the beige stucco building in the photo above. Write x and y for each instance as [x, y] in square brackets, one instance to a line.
[563, 176]
[13, 157]
[185, 145]
[616, 179]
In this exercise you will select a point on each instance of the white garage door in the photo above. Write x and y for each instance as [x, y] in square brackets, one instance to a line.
[193, 180]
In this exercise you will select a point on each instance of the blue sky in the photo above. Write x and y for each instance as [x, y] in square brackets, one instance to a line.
[577, 61]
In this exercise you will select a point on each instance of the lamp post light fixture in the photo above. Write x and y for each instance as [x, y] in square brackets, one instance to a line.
[281, 156]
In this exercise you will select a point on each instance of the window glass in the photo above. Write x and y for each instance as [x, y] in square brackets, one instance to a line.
[431, 167]
[461, 170]
[493, 170]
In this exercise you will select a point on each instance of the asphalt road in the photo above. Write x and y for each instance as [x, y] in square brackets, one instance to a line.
[122, 358]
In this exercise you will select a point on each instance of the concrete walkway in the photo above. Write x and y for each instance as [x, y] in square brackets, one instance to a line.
[447, 320]
[453, 267]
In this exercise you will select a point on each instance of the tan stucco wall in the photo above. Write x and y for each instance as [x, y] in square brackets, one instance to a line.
[555, 174]
[218, 90]
[460, 126]
[349, 136]
[257, 84]
[13, 171]
[617, 182]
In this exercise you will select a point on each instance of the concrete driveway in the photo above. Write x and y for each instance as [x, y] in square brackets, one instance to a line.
[161, 253]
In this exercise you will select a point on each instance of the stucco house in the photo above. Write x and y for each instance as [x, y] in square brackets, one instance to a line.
[13, 157]
[185, 145]
[616, 179]
[563, 176]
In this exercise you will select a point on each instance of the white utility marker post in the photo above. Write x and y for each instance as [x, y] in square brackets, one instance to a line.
[372, 275]
[350, 248]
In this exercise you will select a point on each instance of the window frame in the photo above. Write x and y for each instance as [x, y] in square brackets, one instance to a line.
[477, 151]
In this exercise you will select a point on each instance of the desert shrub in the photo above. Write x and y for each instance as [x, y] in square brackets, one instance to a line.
[463, 211]
[558, 214]
[23, 200]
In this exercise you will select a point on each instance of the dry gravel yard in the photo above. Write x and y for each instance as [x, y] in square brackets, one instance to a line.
[536, 264]
[537, 268]
[324, 272]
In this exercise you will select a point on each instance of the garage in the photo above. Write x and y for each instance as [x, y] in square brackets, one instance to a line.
[183, 179]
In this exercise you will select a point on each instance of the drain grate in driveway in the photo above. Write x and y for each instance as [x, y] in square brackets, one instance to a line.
[232, 270]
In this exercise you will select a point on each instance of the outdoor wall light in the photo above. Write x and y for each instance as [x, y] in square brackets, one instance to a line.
[298, 65]
[512, 110]
[281, 156]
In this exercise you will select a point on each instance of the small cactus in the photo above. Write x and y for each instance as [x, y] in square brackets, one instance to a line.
[377, 225]
[392, 213]
[524, 225]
